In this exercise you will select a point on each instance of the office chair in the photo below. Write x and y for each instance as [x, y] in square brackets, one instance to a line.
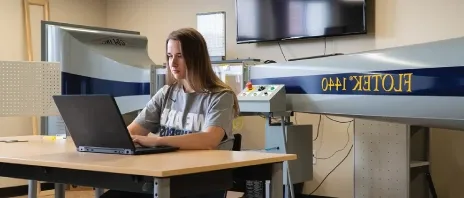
[237, 146]
[237, 142]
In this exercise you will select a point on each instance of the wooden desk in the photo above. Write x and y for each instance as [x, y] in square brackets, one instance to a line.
[185, 171]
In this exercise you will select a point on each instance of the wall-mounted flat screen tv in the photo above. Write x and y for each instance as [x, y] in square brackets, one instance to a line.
[275, 20]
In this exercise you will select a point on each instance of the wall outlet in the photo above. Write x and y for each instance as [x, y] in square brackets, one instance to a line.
[314, 157]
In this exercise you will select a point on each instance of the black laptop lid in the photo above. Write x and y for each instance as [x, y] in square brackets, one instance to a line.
[94, 120]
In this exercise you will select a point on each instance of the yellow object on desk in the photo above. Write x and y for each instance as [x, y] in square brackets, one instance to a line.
[54, 137]
[49, 137]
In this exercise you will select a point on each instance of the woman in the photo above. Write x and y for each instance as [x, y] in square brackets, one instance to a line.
[193, 111]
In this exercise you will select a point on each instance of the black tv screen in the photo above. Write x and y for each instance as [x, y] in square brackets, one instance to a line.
[273, 20]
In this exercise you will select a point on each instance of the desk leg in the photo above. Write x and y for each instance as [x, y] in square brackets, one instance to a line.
[32, 189]
[161, 188]
[98, 192]
[60, 190]
[277, 181]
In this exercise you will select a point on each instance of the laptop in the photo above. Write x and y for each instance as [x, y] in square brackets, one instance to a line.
[96, 125]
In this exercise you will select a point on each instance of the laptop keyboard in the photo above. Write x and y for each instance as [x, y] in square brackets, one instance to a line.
[138, 146]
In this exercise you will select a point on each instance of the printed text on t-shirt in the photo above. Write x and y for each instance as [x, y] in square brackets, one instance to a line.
[172, 123]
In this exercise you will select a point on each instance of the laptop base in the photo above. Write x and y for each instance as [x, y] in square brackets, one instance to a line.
[137, 151]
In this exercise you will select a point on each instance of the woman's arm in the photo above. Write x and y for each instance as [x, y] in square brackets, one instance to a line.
[209, 139]
[136, 129]
[148, 119]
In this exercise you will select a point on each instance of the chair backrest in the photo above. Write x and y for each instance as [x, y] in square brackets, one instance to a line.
[237, 142]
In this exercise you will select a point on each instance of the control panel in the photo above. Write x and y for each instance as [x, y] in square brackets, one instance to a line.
[259, 90]
[262, 98]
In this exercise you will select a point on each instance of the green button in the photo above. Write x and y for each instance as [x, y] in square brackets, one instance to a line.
[272, 88]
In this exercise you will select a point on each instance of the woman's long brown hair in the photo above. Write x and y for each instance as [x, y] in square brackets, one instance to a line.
[200, 72]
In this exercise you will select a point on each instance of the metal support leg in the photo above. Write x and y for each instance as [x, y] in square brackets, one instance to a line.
[276, 185]
[161, 188]
[289, 183]
[98, 192]
[32, 189]
[60, 191]
[289, 186]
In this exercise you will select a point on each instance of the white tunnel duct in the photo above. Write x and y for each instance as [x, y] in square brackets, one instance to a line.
[420, 84]
[99, 61]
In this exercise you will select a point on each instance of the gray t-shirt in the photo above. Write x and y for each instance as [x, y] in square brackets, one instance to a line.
[186, 113]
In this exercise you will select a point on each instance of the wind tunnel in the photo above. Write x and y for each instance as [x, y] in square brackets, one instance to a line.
[421, 84]
[98, 61]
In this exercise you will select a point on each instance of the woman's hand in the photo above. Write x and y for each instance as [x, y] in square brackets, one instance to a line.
[146, 141]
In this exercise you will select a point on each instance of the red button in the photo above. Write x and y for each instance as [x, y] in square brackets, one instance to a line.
[249, 86]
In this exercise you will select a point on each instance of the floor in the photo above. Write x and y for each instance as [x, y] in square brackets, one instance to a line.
[90, 194]
[69, 194]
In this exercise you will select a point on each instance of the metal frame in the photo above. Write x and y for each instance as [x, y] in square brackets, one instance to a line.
[160, 187]
[236, 67]
[227, 67]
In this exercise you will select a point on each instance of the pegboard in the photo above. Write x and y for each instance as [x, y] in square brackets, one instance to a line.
[26, 88]
[381, 159]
